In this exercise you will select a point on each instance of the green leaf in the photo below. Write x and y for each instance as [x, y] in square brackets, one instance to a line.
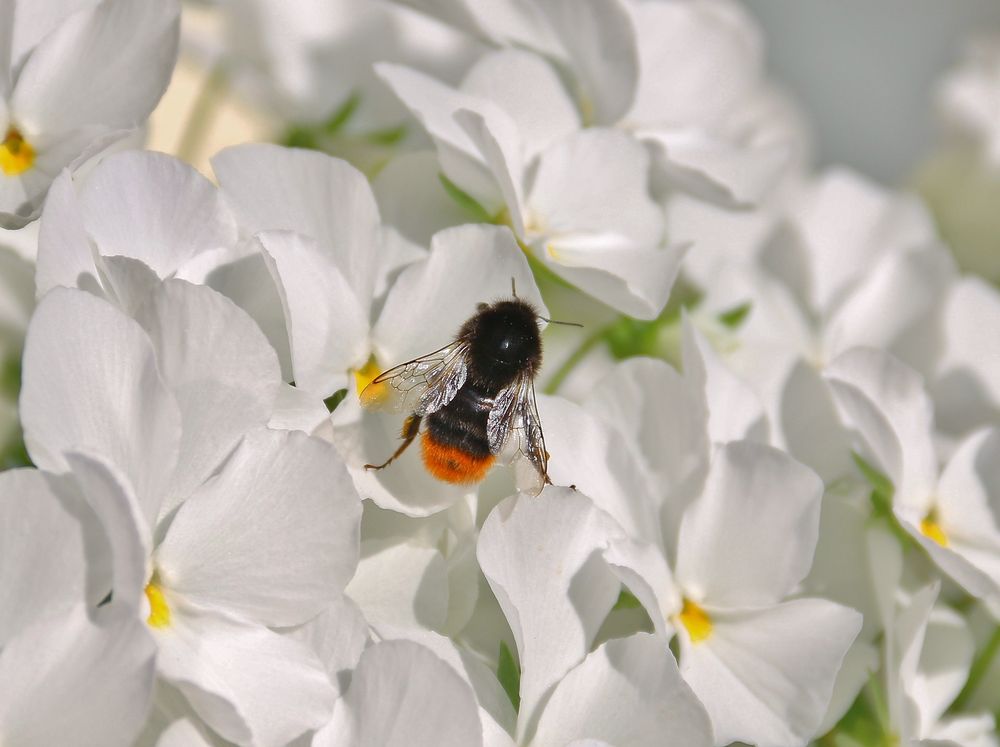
[335, 399]
[10, 378]
[339, 118]
[734, 317]
[388, 136]
[509, 674]
[466, 201]
[626, 600]
[301, 137]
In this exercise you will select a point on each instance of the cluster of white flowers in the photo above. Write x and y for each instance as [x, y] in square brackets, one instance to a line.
[774, 447]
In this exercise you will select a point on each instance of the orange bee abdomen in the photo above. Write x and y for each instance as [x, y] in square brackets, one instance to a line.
[453, 464]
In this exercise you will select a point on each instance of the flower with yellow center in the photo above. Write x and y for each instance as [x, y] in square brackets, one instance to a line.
[930, 527]
[695, 620]
[159, 611]
[16, 153]
[51, 118]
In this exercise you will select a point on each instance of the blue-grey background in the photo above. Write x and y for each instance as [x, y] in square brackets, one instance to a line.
[863, 71]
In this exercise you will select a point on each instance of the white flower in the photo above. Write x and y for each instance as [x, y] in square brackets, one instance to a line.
[227, 526]
[75, 77]
[685, 78]
[927, 653]
[70, 672]
[969, 96]
[402, 695]
[951, 513]
[577, 200]
[764, 666]
[541, 557]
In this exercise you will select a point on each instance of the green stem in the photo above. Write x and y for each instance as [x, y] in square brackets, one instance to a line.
[980, 666]
[203, 112]
[574, 359]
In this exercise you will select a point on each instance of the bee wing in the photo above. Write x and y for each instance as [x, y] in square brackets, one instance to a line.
[513, 426]
[421, 386]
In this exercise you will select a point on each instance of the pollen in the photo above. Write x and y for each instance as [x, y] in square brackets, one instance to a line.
[16, 153]
[930, 527]
[363, 377]
[696, 621]
[159, 612]
[452, 464]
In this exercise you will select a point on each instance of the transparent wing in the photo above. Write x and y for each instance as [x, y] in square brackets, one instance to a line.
[514, 428]
[421, 386]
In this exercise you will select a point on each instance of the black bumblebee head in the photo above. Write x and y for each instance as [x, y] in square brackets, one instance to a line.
[504, 342]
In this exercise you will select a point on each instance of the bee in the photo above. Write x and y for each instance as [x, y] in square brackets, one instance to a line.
[474, 399]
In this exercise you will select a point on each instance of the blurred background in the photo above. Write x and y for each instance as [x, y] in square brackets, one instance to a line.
[864, 73]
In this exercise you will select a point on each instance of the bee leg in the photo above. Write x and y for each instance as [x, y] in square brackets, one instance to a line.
[411, 427]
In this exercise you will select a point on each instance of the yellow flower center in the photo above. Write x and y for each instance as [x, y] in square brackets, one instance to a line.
[370, 394]
[159, 612]
[696, 621]
[931, 528]
[16, 153]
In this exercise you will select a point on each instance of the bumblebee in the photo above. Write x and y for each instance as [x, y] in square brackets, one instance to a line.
[473, 401]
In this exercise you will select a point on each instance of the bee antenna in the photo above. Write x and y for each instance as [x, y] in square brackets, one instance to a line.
[555, 321]
[513, 287]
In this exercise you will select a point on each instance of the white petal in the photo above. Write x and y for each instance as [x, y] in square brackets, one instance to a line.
[273, 188]
[590, 219]
[541, 557]
[495, 708]
[91, 381]
[327, 324]
[221, 369]
[716, 171]
[900, 294]
[412, 199]
[749, 538]
[126, 282]
[601, 42]
[885, 400]
[944, 663]
[247, 281]
[45, 549]
[587, 453]
[967, 392]
[273, 536]
[526, 87]
[127, 530]
[628, 691]
[766, 676]
[164, 211]
[735, 411]
[338, 635]
[499, 143]
[297, 410]
[843, 221]
[466, 266]
[64, 252]
[123, 53]
[666, 423]
[810, 425]
[595, 180]
[643, 569]
[402, 695]
[403, 585]
[697, 62]
[277, 685]
[434, 104]
[973, 565]
[68, 680]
